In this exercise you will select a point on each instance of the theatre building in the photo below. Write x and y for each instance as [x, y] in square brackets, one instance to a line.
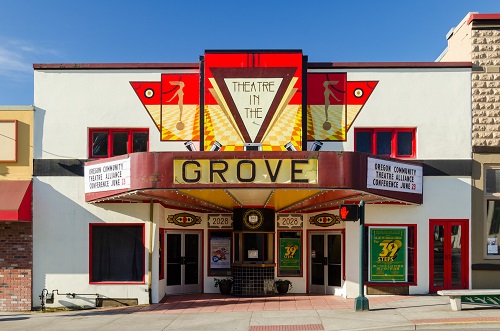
[153, 180]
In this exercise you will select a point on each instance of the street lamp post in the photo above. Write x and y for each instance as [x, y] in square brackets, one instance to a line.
[361, 302]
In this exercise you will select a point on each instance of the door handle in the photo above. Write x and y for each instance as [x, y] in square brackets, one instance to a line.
[183, 260]
[325, 260]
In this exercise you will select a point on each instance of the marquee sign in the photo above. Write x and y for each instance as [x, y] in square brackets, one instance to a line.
[394, 176]
[107, 176]
[240, 171]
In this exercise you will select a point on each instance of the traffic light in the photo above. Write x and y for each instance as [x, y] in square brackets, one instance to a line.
[349, 212]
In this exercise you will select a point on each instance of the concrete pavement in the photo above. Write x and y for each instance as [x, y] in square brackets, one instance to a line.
[280, 313]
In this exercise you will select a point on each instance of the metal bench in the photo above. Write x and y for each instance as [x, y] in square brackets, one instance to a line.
[475, 297]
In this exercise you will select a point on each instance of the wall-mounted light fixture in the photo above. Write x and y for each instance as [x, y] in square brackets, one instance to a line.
[316, 146]
[190, 146]
[216, 146]
[253, 146]
[289, 147]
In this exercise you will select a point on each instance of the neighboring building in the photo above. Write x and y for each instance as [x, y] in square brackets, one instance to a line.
[154, 179]
[477, 39]
[16, 227]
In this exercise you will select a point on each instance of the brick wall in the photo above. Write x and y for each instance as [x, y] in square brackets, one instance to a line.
[16, 256]
[486, 87]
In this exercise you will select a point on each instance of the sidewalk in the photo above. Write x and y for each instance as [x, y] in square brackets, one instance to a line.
[279, 313]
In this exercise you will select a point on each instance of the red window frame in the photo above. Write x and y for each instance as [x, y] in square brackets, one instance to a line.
[394, 142]
[91, 226]
[110, 132]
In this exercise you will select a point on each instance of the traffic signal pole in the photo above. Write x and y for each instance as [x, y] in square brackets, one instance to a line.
[361, 302]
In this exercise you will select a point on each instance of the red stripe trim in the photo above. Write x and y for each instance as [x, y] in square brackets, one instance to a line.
[480, 17]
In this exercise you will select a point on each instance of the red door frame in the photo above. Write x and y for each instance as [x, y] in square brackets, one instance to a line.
[447, 223]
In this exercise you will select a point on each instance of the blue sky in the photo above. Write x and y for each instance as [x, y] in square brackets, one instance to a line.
[113, 31]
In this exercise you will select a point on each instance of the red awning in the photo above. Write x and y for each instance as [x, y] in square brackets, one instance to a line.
[15, 200]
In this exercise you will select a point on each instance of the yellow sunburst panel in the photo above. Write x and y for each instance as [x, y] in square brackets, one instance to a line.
[154, 112]
[171, 118]
[218, 127]
[288, 128]
[352, 112]
[217, 197]
[208, 132]
[317, 118]
[283, 198]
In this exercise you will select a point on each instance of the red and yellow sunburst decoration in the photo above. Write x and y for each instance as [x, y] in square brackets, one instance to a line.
[333, 104]
[173, 105]
[253, 98]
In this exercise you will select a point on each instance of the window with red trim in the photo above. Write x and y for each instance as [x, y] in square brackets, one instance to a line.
[392, 142]
[105, 142]
[117, 253]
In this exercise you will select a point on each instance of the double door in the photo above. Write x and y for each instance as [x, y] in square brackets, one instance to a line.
[448, 260]
[325, 261]
[183, 264]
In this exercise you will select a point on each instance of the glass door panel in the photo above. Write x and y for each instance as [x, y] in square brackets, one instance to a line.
[325, 257]
[456, 256]
[438, 264]
[317, 258]
[183, 251]
[334, 260]
[192, 259]
[448, 255]
[174, 259]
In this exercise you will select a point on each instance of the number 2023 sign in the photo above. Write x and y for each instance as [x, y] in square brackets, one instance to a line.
[388, 254]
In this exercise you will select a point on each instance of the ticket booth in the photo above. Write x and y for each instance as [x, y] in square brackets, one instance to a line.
[254, 265]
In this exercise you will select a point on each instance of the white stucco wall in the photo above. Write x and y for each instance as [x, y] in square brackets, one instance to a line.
[444, 198]
[61, 240]
[437, 102]
[68, 103]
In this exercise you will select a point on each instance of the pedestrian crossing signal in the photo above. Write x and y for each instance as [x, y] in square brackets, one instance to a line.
[349, 212]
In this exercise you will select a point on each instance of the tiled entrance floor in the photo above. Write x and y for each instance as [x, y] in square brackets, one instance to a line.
[192, 303]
